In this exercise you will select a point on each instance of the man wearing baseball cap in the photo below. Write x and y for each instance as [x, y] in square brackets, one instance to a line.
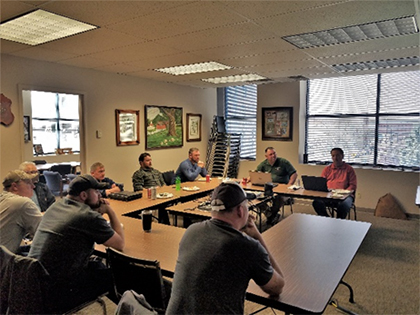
[18, 213]
[65, 241]
[218, 257]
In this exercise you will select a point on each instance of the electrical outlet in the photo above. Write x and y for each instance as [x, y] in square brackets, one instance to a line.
[358, 195]
[98, 134]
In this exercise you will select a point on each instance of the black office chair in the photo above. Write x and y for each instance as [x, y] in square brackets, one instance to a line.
[141, 275]
[39, 162]
[55, 183]
[63, 169]
[168, 177]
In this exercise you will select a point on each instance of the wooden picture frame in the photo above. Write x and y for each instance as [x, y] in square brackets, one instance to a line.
[193, 127]
[163, 126]
[26, 128]
[277, 123]
[127, 127]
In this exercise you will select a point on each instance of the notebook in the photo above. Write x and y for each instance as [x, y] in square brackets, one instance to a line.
[260, 178]
[314, 183]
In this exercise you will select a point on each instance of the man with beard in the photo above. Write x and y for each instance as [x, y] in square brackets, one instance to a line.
[147, 177]
[189, 169]
[64, 243]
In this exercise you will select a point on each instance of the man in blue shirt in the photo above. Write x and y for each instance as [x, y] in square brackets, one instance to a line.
[97, 170]
[189, 169]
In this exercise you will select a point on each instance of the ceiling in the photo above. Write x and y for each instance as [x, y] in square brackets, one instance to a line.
[135, 37]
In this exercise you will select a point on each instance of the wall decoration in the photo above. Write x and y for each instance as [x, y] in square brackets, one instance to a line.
[6, 115]
[277, 123]
[193, 127]
[127, 127]
[38, 150]
[163, 127]
[26, 128]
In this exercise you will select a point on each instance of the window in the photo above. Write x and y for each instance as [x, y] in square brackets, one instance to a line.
[55, 120]
[374, 118]
[241, 117]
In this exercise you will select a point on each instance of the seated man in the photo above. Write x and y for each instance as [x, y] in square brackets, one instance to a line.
[147, 177]
[42, 196]
[282, 172]
[65, 241]
[339, 175]
[189, 169]
[218, 257]
[18, 213]
[97, 170]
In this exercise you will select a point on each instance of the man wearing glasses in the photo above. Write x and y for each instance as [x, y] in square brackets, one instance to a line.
[42, 196]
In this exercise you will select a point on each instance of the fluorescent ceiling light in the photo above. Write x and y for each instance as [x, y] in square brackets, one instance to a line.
[394, 27]
[377, 64]
[235, 78]
[40, 26]
[194, 68]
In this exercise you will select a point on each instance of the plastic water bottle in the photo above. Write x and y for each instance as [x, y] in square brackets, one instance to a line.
[178, 183]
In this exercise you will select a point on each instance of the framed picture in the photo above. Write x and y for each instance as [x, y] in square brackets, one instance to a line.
[26, 128]
[163, 127]
[193, 127]
[127, 127]
[38, 150]
[277, 123]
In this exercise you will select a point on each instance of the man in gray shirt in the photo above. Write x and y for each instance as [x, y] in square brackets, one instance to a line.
[218, 257]
[18, 213]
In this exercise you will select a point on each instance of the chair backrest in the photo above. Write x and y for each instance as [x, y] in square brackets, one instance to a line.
[142, 276]
[63, 169]
[22, 284]
[168, 177]
[54, 182]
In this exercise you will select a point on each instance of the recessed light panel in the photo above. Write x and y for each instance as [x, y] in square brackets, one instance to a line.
[235, 78]
[40, 26]
[378, 64]
[394, 27]
[194, 68]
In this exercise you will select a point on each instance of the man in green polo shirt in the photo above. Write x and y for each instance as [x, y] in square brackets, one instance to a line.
[282, 172]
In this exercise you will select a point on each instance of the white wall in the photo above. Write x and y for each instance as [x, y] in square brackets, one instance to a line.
[104, 92]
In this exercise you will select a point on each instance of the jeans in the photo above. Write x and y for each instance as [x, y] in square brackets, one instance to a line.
[342, 207]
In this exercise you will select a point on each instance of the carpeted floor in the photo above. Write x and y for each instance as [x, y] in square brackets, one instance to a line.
[385, 273]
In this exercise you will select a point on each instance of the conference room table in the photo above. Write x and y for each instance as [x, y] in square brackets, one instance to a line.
[314, 254]
[189, 191]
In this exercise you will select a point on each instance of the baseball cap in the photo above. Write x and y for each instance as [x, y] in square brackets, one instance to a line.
[16, 176]
[84, 182]
[227, 195]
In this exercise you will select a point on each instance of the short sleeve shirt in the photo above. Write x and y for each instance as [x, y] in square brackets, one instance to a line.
[280, 171]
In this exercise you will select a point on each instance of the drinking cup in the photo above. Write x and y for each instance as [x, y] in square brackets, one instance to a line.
[146, 217]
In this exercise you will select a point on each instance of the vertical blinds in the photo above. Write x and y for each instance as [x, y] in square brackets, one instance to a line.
[241, 116]
[374, 118]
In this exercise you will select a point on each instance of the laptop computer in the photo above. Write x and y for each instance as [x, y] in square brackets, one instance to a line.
[260, 178]
[314, 183]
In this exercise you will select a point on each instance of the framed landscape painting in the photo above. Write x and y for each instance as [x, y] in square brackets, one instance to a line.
[163, 127]
[277, 123]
